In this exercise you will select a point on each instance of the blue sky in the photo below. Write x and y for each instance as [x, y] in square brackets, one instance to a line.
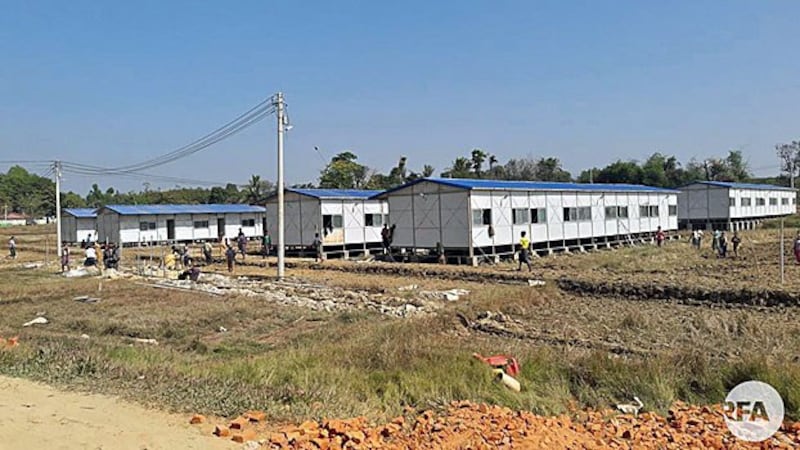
[111, 83]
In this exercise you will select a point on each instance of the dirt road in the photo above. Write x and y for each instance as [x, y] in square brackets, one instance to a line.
[37, 416]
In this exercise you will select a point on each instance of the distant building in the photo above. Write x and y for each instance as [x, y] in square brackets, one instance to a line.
[136, 224]
[348, 220]
[13, 219]
[476, 219]
[732, 206]
[78, 224]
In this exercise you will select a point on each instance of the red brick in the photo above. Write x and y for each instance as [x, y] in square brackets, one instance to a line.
[238, 423]
[197, 418]
[222, 431]
[247, 435]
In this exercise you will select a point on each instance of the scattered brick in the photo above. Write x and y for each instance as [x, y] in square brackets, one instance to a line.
[222, 431]
[196, 419]
[238, 423]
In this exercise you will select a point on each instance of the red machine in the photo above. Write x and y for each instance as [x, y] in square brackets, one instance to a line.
[508, 364]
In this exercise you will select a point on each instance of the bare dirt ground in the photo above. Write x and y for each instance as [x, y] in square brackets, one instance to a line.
[35, 416]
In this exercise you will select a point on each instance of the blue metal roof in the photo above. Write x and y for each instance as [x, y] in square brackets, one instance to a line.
[132, 210]
[481, 184]
[81, 213]
[335, 193]
[732, 185]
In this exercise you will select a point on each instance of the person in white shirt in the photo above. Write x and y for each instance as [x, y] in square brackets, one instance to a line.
[91, 257]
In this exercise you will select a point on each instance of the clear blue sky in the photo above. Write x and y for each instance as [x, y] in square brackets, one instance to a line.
[111, 83]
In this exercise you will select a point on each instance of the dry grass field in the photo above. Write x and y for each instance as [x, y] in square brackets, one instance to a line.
[663, 324]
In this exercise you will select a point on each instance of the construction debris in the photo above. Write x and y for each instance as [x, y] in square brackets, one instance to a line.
[84, 336]
[145, 341]
[37, 321]
[86, 299]
[32, 265]
[631, 408]
[536, 283]
[478, 426]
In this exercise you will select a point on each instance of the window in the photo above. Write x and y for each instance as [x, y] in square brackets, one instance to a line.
[784, 201]
[648, 210]
[201, 224]
[732, 201]
[373, 220]
[773, 201]
[747, 201]
[331, 221]
[538, 215]
[521, 216]
[622, 212]
[611, 212]
[248, 222]
[673, 210]
[760, 201]
[146, 226]
[794, 200]
[481, 216]
[577, 214]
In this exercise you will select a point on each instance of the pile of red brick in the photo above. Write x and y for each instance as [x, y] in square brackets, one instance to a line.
[480, 426]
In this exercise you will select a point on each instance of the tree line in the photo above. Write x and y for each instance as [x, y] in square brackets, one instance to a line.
[29, 193]
[345, 172]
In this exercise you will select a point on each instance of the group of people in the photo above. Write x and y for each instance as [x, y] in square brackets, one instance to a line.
[719, 242]
[95, 255]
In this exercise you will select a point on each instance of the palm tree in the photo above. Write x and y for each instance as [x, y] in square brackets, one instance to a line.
[478, 157]
[257, 190]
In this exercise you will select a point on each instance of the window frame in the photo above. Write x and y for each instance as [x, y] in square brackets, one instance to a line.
[201, 222]
[369, 219]
[672, 210]
[538, 215]
[147, 226]
[524, 220]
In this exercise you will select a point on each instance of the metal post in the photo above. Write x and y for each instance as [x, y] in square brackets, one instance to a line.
[58, 209]
[783, 256]
[280, 187]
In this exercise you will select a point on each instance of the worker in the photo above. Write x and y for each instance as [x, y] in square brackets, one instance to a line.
[192, 273]
[797, 248]
[64, 257]
[266, 243]
[715, 241]
[660, 236]
[524, 253]
[723, 245]
[317, 245]
[12, 248]
[385, 238]
[169, 261]
[736, 240]
[208, 249]
[230, 257]
[91, 256]
[241, 240]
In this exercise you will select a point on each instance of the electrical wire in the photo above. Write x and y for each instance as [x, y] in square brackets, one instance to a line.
[240, 123]
[147, 177]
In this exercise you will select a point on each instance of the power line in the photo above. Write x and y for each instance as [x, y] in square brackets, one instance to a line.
[144, 176]
[240, 123]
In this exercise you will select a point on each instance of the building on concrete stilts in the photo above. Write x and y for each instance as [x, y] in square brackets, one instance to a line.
[731, 206]
[474, 219]
[348, 221]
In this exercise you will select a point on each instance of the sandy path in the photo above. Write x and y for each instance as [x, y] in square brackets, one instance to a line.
[38, 416]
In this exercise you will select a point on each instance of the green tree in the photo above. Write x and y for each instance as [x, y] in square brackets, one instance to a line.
[737, 166]
[620, 172]
[461, 168]
[789, 155]
[478, 157]
[257, 191]
[343, 172]
[550, 169]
